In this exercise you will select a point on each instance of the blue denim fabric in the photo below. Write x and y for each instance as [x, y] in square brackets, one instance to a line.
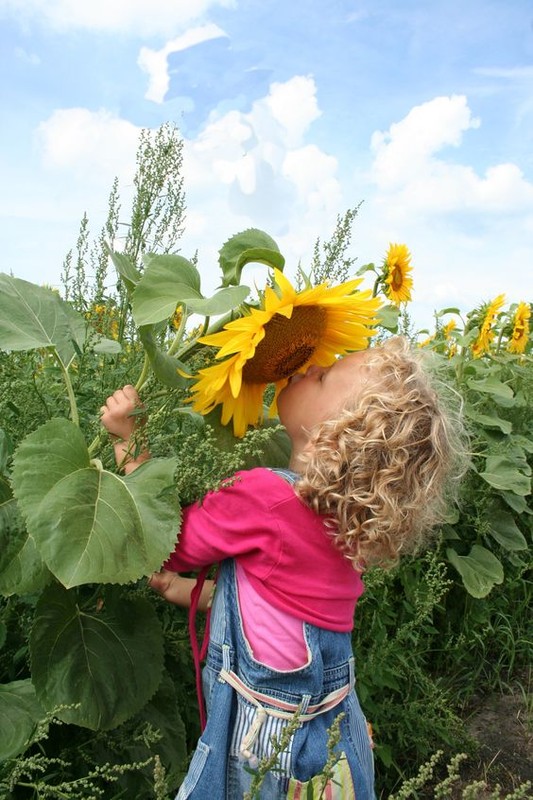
[217, 771]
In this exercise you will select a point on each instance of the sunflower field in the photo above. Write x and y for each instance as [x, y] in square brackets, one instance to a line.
[97, 684]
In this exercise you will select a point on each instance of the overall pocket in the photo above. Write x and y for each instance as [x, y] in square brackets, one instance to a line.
[336, 786]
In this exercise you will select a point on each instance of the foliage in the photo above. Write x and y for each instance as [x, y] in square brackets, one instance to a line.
[96, 672]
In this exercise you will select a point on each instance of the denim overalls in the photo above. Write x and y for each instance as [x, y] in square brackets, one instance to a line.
[247, 702]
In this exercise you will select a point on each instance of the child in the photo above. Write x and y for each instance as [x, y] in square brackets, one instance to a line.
[372, 451]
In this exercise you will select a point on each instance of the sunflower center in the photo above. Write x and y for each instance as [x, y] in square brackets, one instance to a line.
[397, 278]
[287, 345]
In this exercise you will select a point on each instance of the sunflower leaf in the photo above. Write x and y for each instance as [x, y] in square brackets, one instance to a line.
[125, 268]
[104, 663]
[90, 525]
[165, 367]
[388, 317]
[223, 301]
[249, 246]
[20, 712]
[168, 280]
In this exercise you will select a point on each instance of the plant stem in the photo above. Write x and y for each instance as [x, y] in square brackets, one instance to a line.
[143, 377]
[70, 391]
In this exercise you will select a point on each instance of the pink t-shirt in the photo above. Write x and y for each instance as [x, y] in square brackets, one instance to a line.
[280, 545]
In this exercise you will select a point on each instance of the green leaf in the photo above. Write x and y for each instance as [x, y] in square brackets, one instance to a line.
[165, 367]
[489, 421]
[503, 528]
[480, 570]
[22, 570]
[167, 281]
[107, 661]
[223, 301]
[249, 246]
[502, 473]
[492, 386]
[126, 269]
[107, 347]
[517, 503]
[32, 317]
[449, 310]
[388, 317]
[90, 525]
[20, 712]
[162, 712]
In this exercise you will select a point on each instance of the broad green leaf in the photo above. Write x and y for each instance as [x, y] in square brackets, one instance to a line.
[502, 473]
[249, 246]
[504, 529]
[223, 301]
[517, 503]
[489, 421]
[21, 567]
[493, 386]
[388, 317]
[32, 317]
[126, 269]
[90, 525]
[480, 570]
[165, 367]
[20, 712]
[107, 661]
[107, 347]
[162, 712]
[167, 281]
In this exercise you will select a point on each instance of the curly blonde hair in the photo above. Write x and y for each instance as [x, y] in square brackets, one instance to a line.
[380, 472]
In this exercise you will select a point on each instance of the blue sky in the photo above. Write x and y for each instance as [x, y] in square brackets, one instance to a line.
[291, 112]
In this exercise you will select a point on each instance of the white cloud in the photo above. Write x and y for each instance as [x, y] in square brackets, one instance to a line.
[155, 62]
[137, 17]
[93, 144]
[412, 175]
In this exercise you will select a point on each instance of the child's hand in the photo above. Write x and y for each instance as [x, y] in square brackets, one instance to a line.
[120, 417]
[118, 414]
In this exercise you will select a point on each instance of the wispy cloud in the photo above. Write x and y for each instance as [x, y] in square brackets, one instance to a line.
[155, 62]
[135, 17]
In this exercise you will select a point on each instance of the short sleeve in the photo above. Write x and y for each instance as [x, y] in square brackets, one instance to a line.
[233, 522]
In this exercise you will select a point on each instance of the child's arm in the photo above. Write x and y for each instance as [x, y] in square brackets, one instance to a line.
[176, 589]
[120, 417]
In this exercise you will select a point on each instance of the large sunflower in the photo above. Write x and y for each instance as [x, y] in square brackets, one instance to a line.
[397, 268]
[520, 335]
[486, 332]
[290, 331]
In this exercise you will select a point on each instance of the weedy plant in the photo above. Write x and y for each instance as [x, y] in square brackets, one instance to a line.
[96, 672]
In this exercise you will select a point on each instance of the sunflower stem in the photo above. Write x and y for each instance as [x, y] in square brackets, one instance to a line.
[179, 334]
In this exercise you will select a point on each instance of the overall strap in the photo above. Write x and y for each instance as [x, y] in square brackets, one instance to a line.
[199, 652]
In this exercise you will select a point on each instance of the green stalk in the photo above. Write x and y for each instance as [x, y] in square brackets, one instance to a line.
[70, 391]
[143, 377]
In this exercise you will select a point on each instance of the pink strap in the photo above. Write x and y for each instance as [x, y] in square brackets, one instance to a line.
[199, 653]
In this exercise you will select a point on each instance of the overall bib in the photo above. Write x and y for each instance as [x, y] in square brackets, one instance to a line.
[248, 702]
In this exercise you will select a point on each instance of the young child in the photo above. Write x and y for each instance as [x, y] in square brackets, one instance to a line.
[372, 452]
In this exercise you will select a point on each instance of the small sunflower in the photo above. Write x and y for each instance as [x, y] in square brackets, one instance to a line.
[486, 333]
[397, 269]
[290, 331]
[520, 335]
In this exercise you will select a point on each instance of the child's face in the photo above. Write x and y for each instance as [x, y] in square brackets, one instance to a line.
[320, 393]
